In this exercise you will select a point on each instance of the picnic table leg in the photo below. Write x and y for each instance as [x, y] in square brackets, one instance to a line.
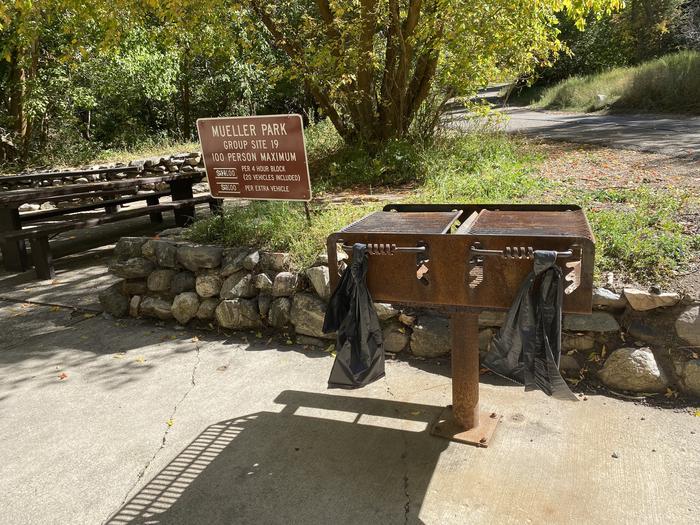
[41, 254]
[14, 251]
[156, 216]
[181, 190]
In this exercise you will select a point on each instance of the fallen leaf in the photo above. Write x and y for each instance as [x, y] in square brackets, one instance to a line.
[62, 376]
[222, 368]
[671, 393]
[88, 315]
[415, 412]
[55, 308]
[140, 359]
[195, 339]
[118, 355]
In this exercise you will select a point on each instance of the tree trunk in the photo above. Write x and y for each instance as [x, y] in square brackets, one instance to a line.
[185, 93]
[18, 87]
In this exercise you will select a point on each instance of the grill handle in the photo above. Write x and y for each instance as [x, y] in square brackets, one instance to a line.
[388, 249]
[516, 252]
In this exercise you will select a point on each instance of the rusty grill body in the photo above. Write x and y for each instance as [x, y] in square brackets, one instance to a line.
[467, 258]
[476, 256]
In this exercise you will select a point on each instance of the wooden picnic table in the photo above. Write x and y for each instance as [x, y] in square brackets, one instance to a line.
[51, 175]
[11, 220]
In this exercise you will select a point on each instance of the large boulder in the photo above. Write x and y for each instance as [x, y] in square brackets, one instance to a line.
[129, 247]
[183, 282]
[264, 303]
[431, 337]
[239, 284]
[596, 322]
[232, 261]
[689, 374]
[396, 337]
[193, 256]
[238, 314]
[251, 260]
[207, 308]
[633, 369]
[641, 300]
[385, 311]
[135, 286]
[307, 314]
[113, 300]
[156, 307]
[319, 276]
[608, 299]
[275, 261]
[279, 312]
[263, 283]
[185, 307]
[208, 284]
[165, 253]
[285, 284]
[688, 325]
[160, 280]
[133, 268]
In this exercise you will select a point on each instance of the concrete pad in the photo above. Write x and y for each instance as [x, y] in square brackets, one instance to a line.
[21, 321]
[78, 277]
[164, 426]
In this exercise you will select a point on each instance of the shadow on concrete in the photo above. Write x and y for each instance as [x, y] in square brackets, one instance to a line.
[322, 459]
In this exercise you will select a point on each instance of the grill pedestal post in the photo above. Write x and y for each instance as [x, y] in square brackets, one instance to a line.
[463, 421]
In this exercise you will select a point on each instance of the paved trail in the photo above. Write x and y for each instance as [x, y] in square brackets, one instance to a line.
[670, 135]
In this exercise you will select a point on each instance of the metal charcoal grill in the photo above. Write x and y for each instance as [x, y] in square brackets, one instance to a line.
[467, 258]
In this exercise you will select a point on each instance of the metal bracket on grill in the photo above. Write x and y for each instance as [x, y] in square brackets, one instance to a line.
[573, 276]
[514, 252]
[421, 251]
[389, 249]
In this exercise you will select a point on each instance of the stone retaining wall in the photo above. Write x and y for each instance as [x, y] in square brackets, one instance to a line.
[149, 167]
[635, 341]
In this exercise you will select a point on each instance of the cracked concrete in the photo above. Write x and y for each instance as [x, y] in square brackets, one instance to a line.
[255, 436]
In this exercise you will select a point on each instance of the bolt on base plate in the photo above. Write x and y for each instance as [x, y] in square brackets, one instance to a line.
[446, 426]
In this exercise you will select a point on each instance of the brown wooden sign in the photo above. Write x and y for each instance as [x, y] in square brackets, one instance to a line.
[261, 157]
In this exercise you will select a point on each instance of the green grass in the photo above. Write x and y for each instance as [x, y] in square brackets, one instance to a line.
[670, 84]
[638, 233]
[640, 236]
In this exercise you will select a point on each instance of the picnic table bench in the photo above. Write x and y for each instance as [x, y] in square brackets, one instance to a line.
[17, 227]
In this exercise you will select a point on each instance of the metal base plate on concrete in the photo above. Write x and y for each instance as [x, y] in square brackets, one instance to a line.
[446, 426]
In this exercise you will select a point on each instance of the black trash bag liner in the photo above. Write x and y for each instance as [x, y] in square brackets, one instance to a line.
[360, 355]
[527, 348]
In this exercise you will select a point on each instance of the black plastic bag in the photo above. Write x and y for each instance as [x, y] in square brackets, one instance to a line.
[360, 355]
[527, 348]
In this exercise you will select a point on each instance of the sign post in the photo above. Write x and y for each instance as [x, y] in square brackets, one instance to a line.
[260, 157]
